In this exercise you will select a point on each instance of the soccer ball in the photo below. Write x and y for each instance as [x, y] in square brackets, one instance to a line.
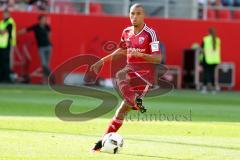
[112, 143]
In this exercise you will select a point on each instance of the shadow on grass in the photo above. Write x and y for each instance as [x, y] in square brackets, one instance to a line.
[151, 156]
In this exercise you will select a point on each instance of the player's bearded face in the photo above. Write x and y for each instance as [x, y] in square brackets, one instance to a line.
[137, 16]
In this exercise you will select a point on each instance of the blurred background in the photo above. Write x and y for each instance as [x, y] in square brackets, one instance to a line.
[84, 26]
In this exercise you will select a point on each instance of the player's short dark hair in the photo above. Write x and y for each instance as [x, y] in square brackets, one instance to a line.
[138, 5]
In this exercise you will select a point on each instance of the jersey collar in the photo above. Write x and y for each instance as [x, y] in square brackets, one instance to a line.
[140, 31]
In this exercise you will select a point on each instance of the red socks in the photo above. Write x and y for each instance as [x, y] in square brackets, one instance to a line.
[114, 125]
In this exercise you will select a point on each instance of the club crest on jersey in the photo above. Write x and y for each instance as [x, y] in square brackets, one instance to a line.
[141, 40]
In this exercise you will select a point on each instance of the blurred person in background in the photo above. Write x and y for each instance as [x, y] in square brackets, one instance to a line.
[7, 42]
[163, 53]
[7, 5]
[237, 3]
[11, 5]
[40, 4]
[214, 2]
[227, 2]
[3, 4]
[42, 33]
[202, 4]
[210, 58]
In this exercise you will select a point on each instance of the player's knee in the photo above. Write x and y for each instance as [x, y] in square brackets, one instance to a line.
[123, 110]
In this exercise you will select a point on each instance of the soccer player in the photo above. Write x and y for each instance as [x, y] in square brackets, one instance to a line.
[141, 46]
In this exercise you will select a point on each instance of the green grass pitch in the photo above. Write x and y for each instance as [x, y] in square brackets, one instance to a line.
[29, 129]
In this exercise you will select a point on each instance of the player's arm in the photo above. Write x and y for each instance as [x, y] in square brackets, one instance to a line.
[116, 52]
[152, 58]
[95, 67]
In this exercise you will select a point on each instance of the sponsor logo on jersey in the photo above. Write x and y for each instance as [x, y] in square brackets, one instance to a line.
[141, 40]
[136, 50]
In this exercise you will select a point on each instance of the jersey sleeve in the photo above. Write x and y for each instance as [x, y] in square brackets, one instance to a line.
[154, 43]
[123, 43]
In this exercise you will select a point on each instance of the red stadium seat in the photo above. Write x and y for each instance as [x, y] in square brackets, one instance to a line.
[236, 14]
[96, 8]
[65, 7]
[211, 14]
[224, 14]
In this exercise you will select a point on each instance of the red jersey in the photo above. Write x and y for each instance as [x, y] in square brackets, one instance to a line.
[146, 41]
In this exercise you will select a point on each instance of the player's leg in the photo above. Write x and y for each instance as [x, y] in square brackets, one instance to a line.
[126, 84]
[131, 101]
[120, 114]
[118, 118]
[115, 123]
